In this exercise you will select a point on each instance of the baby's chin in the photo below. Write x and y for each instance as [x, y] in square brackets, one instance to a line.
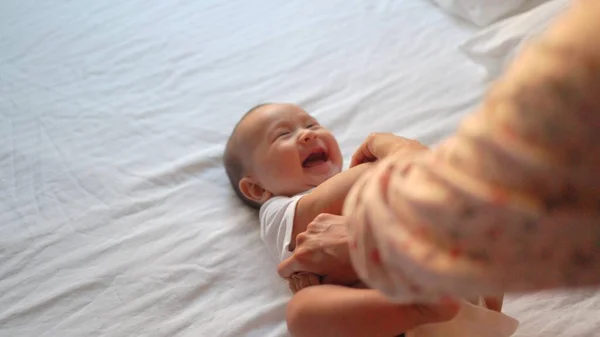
[318, 179]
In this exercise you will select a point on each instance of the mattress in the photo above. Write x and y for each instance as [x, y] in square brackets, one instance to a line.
[116, 218]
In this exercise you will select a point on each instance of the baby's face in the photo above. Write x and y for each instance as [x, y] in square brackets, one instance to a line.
[289, 152]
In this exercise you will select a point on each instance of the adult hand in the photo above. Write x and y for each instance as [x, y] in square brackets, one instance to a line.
[380, 145]
[322, 250]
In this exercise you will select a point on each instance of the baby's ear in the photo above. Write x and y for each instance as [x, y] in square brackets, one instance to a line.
[253, 191]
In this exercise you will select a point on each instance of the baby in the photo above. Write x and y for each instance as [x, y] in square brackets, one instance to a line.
[280, 160]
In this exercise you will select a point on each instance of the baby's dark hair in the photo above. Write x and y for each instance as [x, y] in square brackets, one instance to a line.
[234, 166]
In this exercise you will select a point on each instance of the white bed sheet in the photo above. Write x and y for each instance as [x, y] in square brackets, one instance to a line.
[116, 218]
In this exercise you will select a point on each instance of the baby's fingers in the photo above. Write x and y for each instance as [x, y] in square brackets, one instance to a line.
[293, 284]
[303, 280]
[312, 280]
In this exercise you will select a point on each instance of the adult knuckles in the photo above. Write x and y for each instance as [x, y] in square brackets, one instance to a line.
[374, 135]
[303, 254]
[301, 238]
[319, 218]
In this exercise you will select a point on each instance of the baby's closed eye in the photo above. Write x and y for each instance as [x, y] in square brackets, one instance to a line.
[280, 133]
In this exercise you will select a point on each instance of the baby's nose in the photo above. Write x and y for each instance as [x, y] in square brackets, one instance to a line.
[307, 136]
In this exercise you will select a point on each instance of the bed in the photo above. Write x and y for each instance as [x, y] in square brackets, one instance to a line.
[116, 218]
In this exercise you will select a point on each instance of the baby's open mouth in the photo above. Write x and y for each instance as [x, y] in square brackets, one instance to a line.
[315, 158]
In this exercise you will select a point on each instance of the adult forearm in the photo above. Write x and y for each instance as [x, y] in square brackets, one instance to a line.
[510, 203]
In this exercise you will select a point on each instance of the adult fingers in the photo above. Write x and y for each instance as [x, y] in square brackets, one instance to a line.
[363, 153]
[300, 261]
[288, 267]
[376, 146]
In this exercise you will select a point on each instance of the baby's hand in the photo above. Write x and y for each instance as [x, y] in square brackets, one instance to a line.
[380, 145]
[301, 280]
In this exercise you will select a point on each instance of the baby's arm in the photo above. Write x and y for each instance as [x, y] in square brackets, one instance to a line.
[329, 310]
[326, 198]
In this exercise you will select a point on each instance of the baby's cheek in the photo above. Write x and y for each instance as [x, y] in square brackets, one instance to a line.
[335, 153]
[276, 172]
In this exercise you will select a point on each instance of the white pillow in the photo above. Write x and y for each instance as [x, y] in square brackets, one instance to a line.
[496, 46]
[483, 12]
